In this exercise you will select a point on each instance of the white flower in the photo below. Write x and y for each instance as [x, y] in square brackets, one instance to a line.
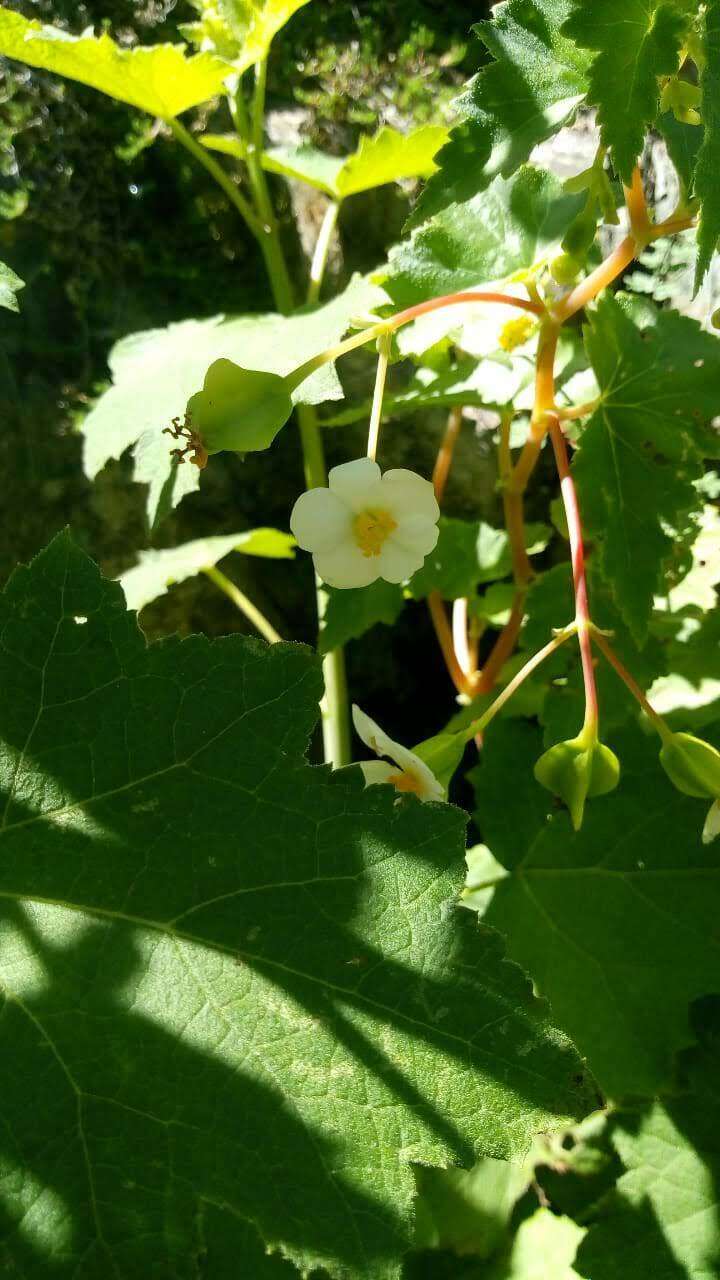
[479, 328]
[712, 823]
[407, 773]
[366, 525]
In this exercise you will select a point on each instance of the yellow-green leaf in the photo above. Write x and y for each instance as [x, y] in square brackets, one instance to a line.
[158, 78]
[156, 571]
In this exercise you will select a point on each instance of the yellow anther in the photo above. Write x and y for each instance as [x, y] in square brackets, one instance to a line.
[406, 782]
[515, 332]
[371, 529]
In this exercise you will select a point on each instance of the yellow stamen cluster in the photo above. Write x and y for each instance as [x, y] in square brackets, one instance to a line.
[515, 332]
[406, 782]
[371, 529]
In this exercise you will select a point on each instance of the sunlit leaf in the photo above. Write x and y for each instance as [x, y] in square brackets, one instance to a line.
[156, 571]
[156, 78]
[10, 286]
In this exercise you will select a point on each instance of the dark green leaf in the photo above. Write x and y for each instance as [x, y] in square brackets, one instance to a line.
[196, 1005]
[617, 924]
[635, 42]
[468, 553]
[506, 228]
[707, 181]
[641, 453]
[532, 87]
[350, 613]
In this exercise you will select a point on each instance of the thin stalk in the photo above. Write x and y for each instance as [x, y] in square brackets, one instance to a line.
[392, 323]
[444, 458]
[513, 508]
[608, 652]
[221, 177]
[577, 554]
[384, 345]
[578, 410]
[322, 248]
[465, 647]
[636, 205]
[478, 726]
[245, 605]
[443, 632]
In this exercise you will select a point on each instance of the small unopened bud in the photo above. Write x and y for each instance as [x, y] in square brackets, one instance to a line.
[577, 769]
[565, 269]
[693, 766]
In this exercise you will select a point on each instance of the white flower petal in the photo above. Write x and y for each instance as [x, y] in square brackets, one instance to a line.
[428, 787]
[395, 562]
[416, 534]
[371, 734]
[352, 482]
[376, 772]
[319, 520]
[407, 493]
[346, 566]
[712, 823]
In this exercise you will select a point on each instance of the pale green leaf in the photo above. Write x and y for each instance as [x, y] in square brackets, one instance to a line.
[254, 24]
[156, 78]
[641, 453]
[468, 1210]
[507, 227]
[227, 977]
[544, 1248]
[156, 571]
[10, 286]
[616, 924]
[662, 1219]
[635, 42]
[706, 182]
[531, 88]
[387, 156]
[157, 371]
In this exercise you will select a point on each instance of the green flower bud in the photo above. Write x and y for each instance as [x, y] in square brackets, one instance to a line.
[564, 268]
[576, 769]
[715, 318]
[693, 766]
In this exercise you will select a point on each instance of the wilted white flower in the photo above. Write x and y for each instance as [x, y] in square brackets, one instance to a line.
[407, 773]
[712, 823]
[366, 525]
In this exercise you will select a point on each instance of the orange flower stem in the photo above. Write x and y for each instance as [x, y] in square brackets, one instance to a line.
[599, 279]
[577, 554]
[444, 458]
[443, 631]
[636, 205]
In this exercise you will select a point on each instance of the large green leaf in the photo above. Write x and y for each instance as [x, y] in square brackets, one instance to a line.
[533, 86]
[662, 1219]
[544, 1248]
[635, 42]
[156, 372]
[707, 182]
[642, 450]
[227, 978]
[617, 924]
[386, 156]
[157, 78]
[491, 236]
[156, 571]
[10, 286]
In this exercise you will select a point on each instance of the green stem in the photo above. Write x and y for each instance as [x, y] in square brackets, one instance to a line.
[654, 717]
[246, 606]
[384, 345]
[513, 685]
[220, 176]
